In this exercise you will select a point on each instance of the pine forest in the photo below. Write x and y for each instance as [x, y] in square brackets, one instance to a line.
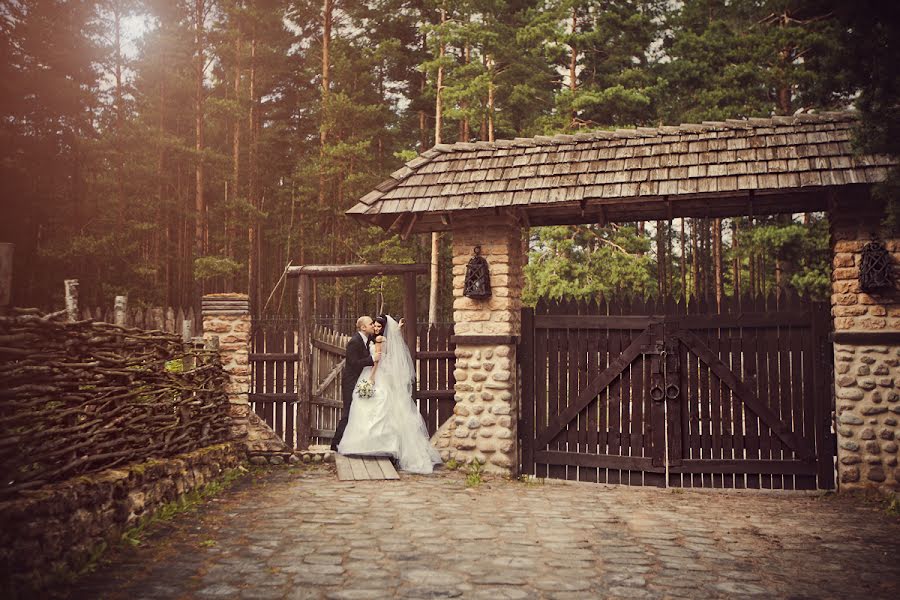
[165, 149]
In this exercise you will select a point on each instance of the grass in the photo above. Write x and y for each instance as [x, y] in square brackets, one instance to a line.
[133, 536]
[892, 505]
[475, 473]
[61, 577]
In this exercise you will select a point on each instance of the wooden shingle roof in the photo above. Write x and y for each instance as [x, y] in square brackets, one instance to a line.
[780, 164]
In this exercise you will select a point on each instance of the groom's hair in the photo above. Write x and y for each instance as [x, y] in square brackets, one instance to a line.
[360, 322]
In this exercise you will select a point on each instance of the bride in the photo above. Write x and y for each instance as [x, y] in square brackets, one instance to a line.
[383, 419]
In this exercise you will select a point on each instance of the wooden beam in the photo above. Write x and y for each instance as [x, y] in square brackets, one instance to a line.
[330, 348]
[356, 270]
[745, 394]
[484, 340]
[649, 208]
[331, 377]
[281, 398]
[395, 224]
[774, 467]
[587, 395]
[404, 234]
[608, 461]
[304, 361]
[410, 315]
[874, 338]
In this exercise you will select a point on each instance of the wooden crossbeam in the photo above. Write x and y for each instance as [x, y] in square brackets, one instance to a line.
[742, 391]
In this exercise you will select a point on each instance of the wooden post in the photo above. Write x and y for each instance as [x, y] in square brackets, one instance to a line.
[526, 403]
[304, 362]
[121, 310]
[6, 268]
[409, 311]
[187, 330]
[72, 298]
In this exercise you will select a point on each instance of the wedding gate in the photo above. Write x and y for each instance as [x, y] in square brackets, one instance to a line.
[663, 394]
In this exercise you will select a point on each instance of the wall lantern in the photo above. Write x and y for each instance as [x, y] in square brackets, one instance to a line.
[874, 267]
[478, 279]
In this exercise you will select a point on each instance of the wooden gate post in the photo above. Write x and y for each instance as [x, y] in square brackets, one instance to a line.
[485, 424]
[120, 310]
[71, 299]
[409, 311]
[304, 362]
[657, 399]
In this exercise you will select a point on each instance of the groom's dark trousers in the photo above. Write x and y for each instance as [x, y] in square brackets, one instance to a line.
[357, 357]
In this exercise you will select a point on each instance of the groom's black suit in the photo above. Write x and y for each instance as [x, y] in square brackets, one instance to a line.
[357, 358]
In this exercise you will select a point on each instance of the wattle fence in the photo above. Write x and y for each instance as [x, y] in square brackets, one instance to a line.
[80, 397]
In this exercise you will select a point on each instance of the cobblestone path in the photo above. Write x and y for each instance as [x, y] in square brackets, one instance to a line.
[301, 534]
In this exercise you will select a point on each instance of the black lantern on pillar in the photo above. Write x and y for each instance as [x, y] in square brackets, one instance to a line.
[478, 279]
[874, 267]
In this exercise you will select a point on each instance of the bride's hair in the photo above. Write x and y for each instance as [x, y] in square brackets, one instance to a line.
[382, 319]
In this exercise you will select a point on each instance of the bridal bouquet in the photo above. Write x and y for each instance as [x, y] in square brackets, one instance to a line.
[365, 389]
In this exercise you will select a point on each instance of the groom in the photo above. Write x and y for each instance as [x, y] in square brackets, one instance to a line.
[357, 357]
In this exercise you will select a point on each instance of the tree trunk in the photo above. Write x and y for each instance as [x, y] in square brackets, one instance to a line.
[573, 65]
[695, 260]
[491, 102]
[235, 158]
[660, 259]
[464, 105]
[327, 15]
[717, 258]
[435, 236]
[423, 82]
[684, 290]
[162, 212]
[199, 199]
[252, 222]
[120, 119]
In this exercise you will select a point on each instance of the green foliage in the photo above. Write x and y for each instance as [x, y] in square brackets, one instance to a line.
[892, 505]
[210, 267]
[804, 250]
[750, 58]
[586, 262]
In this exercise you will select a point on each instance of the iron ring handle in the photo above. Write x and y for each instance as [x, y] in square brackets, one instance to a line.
[657, 394]
[672, 391]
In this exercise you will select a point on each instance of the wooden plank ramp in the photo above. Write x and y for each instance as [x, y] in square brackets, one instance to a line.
[364, 468]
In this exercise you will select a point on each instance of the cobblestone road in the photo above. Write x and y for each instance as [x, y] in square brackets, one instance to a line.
[301, 534]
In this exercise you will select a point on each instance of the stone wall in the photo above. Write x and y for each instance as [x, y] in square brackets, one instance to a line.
[483, 427]
[867, 356]
[57, 530]
[227, 317]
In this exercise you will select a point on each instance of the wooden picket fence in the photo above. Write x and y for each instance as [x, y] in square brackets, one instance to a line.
[163, 318]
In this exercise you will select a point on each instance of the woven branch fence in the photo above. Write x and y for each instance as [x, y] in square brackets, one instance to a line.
[80, 397]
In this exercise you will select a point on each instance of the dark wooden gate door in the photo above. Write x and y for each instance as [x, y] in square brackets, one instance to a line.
[672, 395]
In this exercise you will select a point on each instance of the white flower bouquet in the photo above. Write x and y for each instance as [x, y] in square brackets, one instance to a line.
[365, 389]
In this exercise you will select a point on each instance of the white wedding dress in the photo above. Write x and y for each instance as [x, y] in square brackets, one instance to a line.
[388, 423]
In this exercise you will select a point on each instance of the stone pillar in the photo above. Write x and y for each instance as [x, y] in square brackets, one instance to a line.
[227, 316]
[486, 332]
[867, 354]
